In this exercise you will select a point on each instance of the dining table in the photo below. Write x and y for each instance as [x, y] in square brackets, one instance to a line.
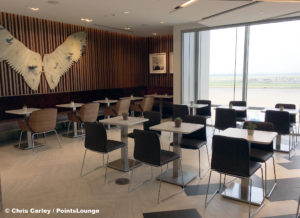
[240, 191]
[26, 113]
[173, 176]
[124, 163]
[72, 106]
[236, 108]
[193, 108]
[161, 99]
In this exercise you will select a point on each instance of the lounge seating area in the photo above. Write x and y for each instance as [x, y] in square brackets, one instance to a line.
[146, 109]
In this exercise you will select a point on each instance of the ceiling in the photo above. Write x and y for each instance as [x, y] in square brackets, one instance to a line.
[145, 16]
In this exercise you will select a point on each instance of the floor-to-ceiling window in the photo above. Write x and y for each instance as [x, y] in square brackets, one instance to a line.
[259, 64]
[274, 64]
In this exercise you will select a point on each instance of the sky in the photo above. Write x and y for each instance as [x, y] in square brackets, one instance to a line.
[273, 48]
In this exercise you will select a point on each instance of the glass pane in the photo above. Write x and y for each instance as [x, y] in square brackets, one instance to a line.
[274, 66]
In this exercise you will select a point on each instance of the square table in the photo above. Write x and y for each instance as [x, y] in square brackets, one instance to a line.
[73, 106]
[133, 98]
[161, 98]
[173, 175]
[25, 112]
[107, 102]
[237, 108]
[124, 164]
[238, 191]
[193, 107]
[281, 147]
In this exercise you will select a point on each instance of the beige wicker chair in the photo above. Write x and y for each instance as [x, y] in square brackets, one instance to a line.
[40, 122]
[87, 113]
[116, 110]
[141, 106]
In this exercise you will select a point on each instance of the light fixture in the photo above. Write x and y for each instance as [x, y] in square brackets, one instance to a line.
[127, 28]
[125, 12]
[86, 20]
[162, 22]
[187, 3]
[34, 9]
[154, 34]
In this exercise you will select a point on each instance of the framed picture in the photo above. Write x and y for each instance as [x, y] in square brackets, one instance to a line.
[158, 63]
[171, 62]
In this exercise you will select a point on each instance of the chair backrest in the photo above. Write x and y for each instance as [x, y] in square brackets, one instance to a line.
[199, 134]
[147, 147]
[43, 120]
[230, 155]
[89, 112]
[288, 106]
[240, 114]
[147, 103]
[280, 120]
[180, 111]
[263, 126]
[154, 119]
[123, 106]
[225, 118]
[205, 111]
[95, 136]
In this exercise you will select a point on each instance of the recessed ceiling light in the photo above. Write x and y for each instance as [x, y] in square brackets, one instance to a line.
[127, 28]
[86, 20]
[34, 9]
[154, 34]
[162, 22]
[126, 12]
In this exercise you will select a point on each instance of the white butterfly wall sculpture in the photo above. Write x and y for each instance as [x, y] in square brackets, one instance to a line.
[30, 65]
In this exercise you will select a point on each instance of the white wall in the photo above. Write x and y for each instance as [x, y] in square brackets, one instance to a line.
[177, 32]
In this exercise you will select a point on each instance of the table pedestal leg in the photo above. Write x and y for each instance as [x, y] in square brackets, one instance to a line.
[173, 176]
[281, 147]
[124, 164]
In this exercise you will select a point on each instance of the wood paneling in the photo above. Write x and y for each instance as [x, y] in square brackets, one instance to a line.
[111, 60]
[161, 44]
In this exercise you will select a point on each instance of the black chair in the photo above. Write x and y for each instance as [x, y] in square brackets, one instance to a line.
[225, 118]
[205, 111]
[148, 151]
[231, 156]
[154, 119]
[197, 139]
[281, 123]
[262, 153]
[96, 140]
[180, 111]
[241, 116]
[293, 122]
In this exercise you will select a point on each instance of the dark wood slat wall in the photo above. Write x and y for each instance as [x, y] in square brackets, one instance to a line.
[161, 44]
[111, 60]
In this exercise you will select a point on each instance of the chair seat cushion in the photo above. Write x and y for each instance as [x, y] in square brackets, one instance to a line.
[254, 166]
[190, 143]
[110, 146]
[260, 155]
[167, 156]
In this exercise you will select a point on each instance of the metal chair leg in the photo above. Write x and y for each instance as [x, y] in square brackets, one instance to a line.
[217, 191]
[140, 184]
[57, 138]
[275, 178]
[266, 177]
[207, 155]
[199, 154]
[20, 138]
[32, 139]
[83, 161]
[159, 184]
[106, 167]
[68, 128]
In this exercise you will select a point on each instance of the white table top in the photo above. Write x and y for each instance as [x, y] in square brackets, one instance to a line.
[237, 108]
[104, 101]
[197, 105]
[69, 105]
[161, 96]
[22, 111]
[261, 137]
[169, 126]
[291, 111]
[134, 98]
[118, 121]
